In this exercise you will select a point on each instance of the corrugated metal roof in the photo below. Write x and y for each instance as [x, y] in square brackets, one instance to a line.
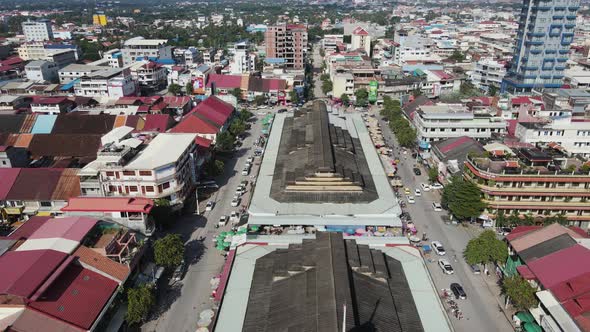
[28, 228]
[83, 124]
[77, 296]
[64, 145]
[44, 124]
[71, 228]
[8, 176]
[557, 267]
[35, 184]
[541, 235]
[110, 204]
[32, 320]
[23, 141]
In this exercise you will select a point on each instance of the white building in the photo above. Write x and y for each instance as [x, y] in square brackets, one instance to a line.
[74, 71]
[571, 134]
[487, 73]
[37, 30]
[110, 82]
[139, 48]
[164, 169]
[438, 122]
[330, 42]
[39, 70]
[343, 83]
[243, 61]
[415, 50]
[39, 51]
[149, 74]
[361, 39]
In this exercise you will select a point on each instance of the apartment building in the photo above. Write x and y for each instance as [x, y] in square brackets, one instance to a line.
[52, 105]
[58, 53]
[163, 169]
[360, 39]
[288, 42]
[343, 83]
[110, 82]
[487, 73]
[442, 121]
[537, 181]
[572, 134]
[74, 71]
[37, 30]
[330, 42]
[150, 76]
[41, 71]
[139, 48]
[415, 50]
[243, 61]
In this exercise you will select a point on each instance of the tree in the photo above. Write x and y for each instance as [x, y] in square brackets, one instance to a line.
[214, 168]
[486, 248]
[245, 115]
[294, 96]
[433, 174]
[237, 127]
[556, 219]
[139, 302]
[260, 100]
[325, 77]
[585, 168]
[493, 91]
[345, 99]
[463, 199]
[237, 92]
[169, 251]
[225, 141]
[457, 56]
[326, 86]
[520, 292]
[501, 220]
[416, 92]
[174, 89]
[189, 88]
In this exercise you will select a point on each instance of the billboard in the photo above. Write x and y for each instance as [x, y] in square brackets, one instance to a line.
[198, 85]
[373, 87]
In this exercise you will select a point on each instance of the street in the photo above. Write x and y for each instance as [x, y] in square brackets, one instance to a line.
[317, 64]
[178, 306]
[481, 309]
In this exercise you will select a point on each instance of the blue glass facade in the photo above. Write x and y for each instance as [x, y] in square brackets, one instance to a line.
[545, 32]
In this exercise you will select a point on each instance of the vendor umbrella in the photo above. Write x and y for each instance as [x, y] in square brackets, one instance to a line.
[208, 313]
[204, 322]
[254, 228]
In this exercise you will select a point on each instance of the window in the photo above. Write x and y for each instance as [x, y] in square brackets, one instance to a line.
[149, 189]
[145, 173]
[45, 204]
[110, 173]
[129, 173]
[133, 189]
[165, 185]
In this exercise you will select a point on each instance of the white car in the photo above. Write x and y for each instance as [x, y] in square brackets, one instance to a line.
[445, 266]
[240, 191]
[209, 206]
[438, 248]
[234, 216]
[437, 207]
[425, 186]
[222, 221]
[436, 186]
[246, 171]
[411, 200]
[417, 192]
[235, 201]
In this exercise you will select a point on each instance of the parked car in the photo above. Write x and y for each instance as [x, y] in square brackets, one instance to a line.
[504, 230]
[245, 171]
[425, 186]
[417, 171]
[282, 110]
[234, 216]
[436, 186]
[475, 269]
[209, 206]
[407, 191]
[411, 200]
[445, 266]
[438, 248]
[235, 201]
[240, 191]
[437, 207]
[244, 183]
[250, 160]
[458, 291]
[179, 272]
[417, 192]
[222, 221]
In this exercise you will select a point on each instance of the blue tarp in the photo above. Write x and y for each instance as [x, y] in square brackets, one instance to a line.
[44, 124]
[275, 60]
[70, 85]
[162, 61]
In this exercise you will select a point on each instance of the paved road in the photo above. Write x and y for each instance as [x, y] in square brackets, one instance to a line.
[179, 305]
[317, 64]
[480, 309]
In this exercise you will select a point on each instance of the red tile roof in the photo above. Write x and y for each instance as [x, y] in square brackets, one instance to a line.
[224, 81]
[558, 266]
[109, 204]
[22, 272]
[71, 228]
[194, 125]
[77, 296]
[8, 176]
[176, 102]
[360, 32]
[202, 142]
[32, 320]
[215, 110]
[157, 122]
[90, 258]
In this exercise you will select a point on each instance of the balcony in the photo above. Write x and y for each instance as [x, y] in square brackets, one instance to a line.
[573, 8]
[571, 17]
[558, 17]
[536, 34]
[534, 42]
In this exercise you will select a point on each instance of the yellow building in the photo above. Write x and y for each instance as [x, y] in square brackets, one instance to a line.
[99, 19]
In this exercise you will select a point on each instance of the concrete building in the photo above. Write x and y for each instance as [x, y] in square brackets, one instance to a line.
[151, 76]
[488, 73]
[243, 61]
[42, 71]
[415, 50]
[52, 105]
[572, 134]
[111, 82]
[360, 39]
[333, 182]
[438, 122]
[545, 32]
[139, 48]
[330, 42]
[163, 169]
[343, 83]
[75, 71]
[288, 42]
[37, 30]
[532, 181]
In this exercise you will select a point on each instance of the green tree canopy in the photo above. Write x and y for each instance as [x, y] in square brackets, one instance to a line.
[244, 115]
[486, 248]
[325, 77]
[493, 91]
[237, 127]
[457, 56]
[361, 93]
[189, 88]
[225, 141]
[326, 86]
[214, 168]
[345, 99]
[260, 100]
[139, 302]
[174, 89]
[520, 292]
[294, 96]
[237, 92]
[463, 199]
[433, 174]
[169, 251]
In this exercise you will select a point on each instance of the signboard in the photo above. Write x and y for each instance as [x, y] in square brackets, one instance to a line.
[198, 85]
[373, 87]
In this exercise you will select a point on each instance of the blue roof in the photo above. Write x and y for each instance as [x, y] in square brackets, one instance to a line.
[43, 124]
[70, 85]
[154, 59]
[275, 60]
